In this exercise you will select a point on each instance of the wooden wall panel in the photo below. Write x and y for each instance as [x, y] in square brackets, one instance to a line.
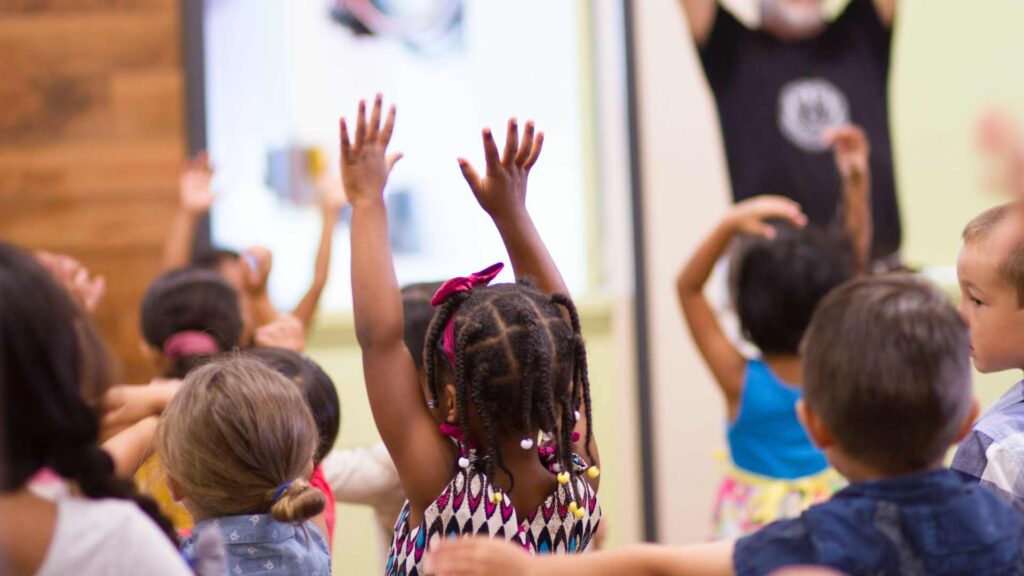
[92, 133]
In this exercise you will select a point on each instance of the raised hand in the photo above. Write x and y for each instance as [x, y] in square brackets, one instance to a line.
[285, 332]
[750, 216]
[259, 261]
[502, 189]
[85, 289]
[194, 185]
[332, 193]
[851, 149]
[1003, 141]
[365, 162]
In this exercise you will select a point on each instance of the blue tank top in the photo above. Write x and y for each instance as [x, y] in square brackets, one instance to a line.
[766, 438]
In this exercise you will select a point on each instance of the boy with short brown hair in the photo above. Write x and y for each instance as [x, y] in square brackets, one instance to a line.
[991, 274]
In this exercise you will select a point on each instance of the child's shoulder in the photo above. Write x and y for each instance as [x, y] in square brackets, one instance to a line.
[1005, 417]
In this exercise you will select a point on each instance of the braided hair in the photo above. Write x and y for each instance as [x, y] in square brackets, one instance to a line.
[518, 363]
[53, 371]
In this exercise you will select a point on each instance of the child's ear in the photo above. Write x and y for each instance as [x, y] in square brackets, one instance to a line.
[451, 411]
[816, 429]
[968, 424]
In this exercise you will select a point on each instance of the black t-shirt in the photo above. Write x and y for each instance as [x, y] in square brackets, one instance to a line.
[775, 97]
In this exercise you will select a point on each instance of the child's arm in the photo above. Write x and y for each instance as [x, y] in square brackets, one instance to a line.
[258, 263]
[851, 150]
[484, 557]
[748, 217]
[422, 455]
[195, 201]
[501, 192]
[131, 446]
[284, 332]
[127, 405]
[332, 201]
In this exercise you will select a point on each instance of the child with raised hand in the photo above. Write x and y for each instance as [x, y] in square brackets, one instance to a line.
[887, 390]
[238, 442]
[502, 365]
[990, 269]
[248, 272]
[779, 278]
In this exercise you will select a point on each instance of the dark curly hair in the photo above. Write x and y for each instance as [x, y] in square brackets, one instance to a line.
[518, 362]
[191, 299]
[777, 284]
[54, 370]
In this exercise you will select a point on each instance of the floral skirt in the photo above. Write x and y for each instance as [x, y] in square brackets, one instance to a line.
[747, 502]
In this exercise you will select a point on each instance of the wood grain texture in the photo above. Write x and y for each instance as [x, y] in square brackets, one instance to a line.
[92, 135]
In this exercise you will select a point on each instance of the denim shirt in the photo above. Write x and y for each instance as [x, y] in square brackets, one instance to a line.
[934, 523]
[259, 545]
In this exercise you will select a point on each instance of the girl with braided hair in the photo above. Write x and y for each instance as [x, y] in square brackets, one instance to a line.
[505, 366]
[53, 372]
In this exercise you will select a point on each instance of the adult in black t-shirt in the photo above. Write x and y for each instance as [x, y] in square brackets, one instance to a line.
[779, 86]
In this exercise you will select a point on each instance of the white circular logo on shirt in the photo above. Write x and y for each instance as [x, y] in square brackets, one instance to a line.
[807, 107]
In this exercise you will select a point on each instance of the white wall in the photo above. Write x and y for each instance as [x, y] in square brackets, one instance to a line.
[685, 192]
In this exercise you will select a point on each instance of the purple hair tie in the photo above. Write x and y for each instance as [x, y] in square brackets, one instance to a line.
[190, 343]
[461, 284]
[280, 490]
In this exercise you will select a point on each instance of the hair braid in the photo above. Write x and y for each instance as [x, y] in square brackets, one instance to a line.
[581, 376]
[435, 332]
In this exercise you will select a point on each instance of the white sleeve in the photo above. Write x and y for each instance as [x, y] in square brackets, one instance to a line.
[144, 549]
[364, 475]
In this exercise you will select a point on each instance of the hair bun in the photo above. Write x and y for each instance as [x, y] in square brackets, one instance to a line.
[299, 502]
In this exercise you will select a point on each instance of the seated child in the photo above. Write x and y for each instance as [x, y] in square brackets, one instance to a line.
[503, 363]
[991, 274]
[887, 389]
[247, 272]
[780, 277]
[322, 399]
[238, 442]
[188, 316]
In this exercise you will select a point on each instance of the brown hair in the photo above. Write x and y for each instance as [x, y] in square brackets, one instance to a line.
[234, 434]
[981, 228]
[887, 369]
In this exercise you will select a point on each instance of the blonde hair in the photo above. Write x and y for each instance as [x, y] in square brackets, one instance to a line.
[236, 432]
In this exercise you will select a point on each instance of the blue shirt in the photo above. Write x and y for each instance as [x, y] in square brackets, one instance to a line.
[993, 453]
[766, 438]
[930, 524]
[258, 544]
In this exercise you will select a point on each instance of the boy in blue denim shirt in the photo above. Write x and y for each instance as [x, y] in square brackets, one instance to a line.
[991, 274]
[887, 390]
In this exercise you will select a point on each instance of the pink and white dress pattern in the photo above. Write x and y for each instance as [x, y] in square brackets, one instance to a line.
[464, 508]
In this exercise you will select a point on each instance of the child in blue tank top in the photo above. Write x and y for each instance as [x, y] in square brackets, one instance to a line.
[784, 269]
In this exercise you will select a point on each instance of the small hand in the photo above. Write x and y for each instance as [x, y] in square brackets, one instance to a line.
[502, 190]
[332, 193]
[850, 146]
[125, 405]
[285, 332]
[365, 163]
[1001, 139]
[86, 290]
[476, 556]
[259, 261]
[749, 216]
[196, 197]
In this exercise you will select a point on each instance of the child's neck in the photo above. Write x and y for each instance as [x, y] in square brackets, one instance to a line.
[534, 483]
[787, 367]
[858, 472]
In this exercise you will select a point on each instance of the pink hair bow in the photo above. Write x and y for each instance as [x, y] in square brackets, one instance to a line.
[461, 284]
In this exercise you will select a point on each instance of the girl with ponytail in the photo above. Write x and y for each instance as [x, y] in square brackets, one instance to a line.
[237, 442]
[53, 371]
